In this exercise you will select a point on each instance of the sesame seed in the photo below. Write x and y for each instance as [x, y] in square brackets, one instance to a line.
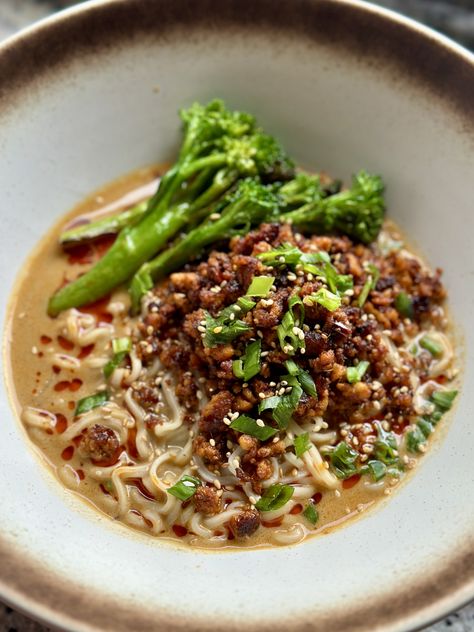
[201, 329]
[227, 421]
[355, 441]
[214, 216]
[261, 395]
[212, 442]
[276, 439]
[260, 423]
[264, 354]
[281, 391]
[252, 500]
[302, 351]
[217, 330]
[337, 493]
[259, 333]
[34, 350]
[364, 457]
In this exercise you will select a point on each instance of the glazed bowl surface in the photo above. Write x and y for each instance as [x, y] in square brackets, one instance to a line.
[92, 94]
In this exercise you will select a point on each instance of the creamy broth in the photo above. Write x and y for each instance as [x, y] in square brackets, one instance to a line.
[57, 361]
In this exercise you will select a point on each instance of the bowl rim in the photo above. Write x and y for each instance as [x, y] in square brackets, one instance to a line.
[60, 619]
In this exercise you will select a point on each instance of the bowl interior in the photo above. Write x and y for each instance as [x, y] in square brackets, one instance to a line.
[108, 105]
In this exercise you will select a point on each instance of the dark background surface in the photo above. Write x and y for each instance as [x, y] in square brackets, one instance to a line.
[454, 18]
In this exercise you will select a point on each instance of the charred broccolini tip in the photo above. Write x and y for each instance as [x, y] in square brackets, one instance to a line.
[219, 148]
[249, 205]
[357, 212]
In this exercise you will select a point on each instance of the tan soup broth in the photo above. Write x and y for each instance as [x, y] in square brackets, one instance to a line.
[53, 365]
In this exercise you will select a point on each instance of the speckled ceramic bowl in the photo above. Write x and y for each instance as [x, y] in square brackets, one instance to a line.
[92, 93]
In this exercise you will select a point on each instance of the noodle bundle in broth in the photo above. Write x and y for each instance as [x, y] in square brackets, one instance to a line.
[235, 352]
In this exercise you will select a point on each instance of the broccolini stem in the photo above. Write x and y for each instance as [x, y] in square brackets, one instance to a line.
[135, 245]
[236, 218]
[104, 226]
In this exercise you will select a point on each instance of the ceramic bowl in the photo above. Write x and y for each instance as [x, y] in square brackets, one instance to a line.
[91, 94]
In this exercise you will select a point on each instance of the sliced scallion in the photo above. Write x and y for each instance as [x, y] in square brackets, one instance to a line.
[343, 460]
[311, 513]
[404, 305]
[432, 346]
[260, 286]
[249, 426]
[93, 401]
[443, 399]
[185, 488]
[246, 367]
[302, 444]
[275, 497]
[356, 373]
[290, 334]
[324, 297]
[120, 345]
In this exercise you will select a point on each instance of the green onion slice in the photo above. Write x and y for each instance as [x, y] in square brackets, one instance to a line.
[432, 346]
[302, 444]
[343, 460]
[260, 286]
[93, 401]
[121, 345]
[324, 297]
[249, 426]
[404, 305]
[356, 373]
[304, 378]
[185, 488]
[290, 341]
[121, 348]
[311, 513]
[284, 406]
[248, 365]
[227, 325]
[376, 469]
[443, 399]
[275, 497]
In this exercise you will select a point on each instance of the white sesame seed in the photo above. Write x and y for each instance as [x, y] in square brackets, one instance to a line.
[252, 500]
[291, 277]
[34, 350]
[212, 442]
[217, 330]
[201, 329]
[260, 423]
[261, 395]
[214, 216]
